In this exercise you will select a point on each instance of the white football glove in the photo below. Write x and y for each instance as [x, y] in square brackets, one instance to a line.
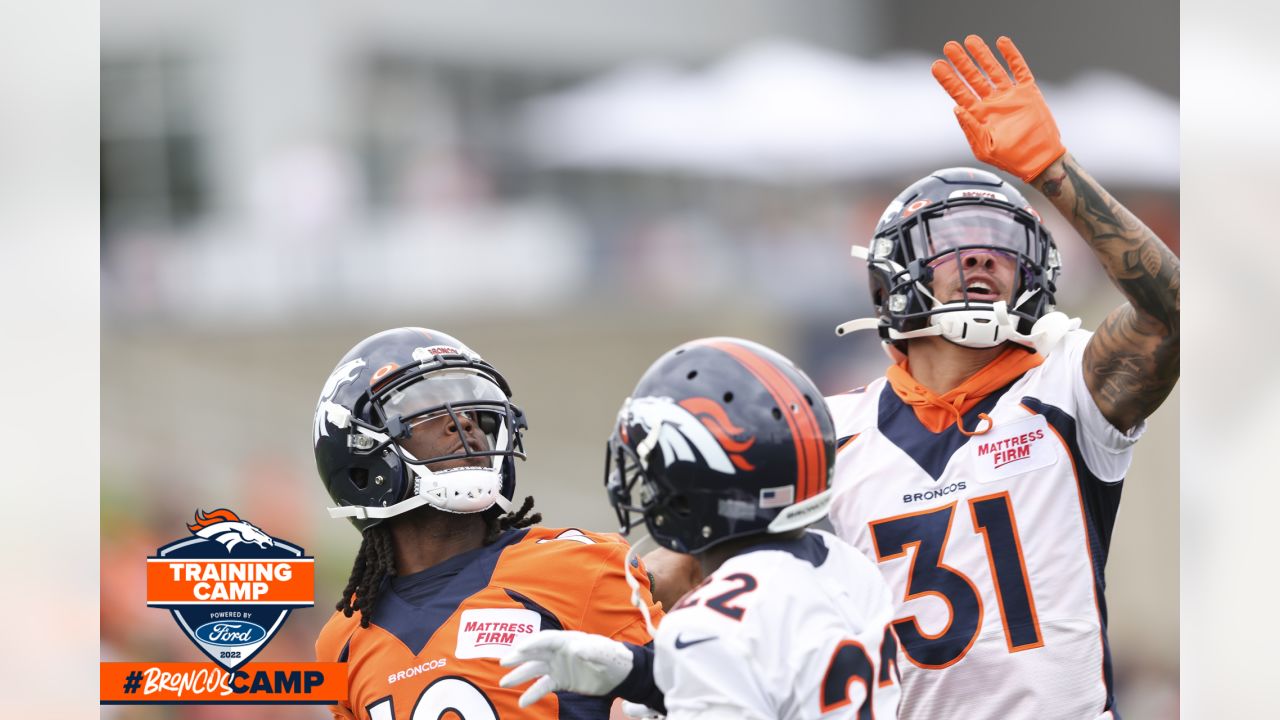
[566, 660]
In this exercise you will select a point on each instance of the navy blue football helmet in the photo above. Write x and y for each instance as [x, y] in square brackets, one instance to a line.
[380, 390]
[722, 438]
[941, 218]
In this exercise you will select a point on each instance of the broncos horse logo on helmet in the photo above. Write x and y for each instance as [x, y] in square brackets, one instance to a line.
[680, 429]
[327, 411]
[225, 527]
[721, 438]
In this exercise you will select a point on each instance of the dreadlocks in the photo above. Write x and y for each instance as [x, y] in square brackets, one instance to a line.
[495, 525]
[375, 562]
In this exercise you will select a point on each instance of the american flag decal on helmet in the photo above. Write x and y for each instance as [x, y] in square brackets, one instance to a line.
[776, 497]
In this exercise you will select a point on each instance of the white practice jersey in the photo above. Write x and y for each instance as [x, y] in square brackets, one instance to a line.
[790, 630]
[993, 545]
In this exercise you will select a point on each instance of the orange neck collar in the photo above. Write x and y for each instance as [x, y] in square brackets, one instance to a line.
[937, 412]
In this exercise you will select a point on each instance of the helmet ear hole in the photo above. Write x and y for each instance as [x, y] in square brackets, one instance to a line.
[360, 478]
[679, 505]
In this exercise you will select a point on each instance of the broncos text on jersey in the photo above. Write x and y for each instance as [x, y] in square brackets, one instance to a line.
[994, 543]
[436, 636]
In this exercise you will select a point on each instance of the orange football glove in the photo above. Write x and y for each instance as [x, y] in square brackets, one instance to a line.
[1007, 123]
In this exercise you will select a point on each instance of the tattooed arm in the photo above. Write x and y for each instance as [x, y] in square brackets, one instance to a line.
[1131, 363]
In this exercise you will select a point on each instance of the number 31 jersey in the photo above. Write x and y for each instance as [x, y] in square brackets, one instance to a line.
[788, 630]
[993, 544]
[432, 648]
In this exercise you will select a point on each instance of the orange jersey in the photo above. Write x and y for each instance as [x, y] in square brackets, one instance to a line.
[435, 637]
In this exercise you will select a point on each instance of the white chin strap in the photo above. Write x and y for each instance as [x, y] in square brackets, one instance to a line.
[634, 584]
[975, 325]
[458, 490]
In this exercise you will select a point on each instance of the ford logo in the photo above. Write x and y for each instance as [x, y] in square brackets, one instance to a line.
[229, 633]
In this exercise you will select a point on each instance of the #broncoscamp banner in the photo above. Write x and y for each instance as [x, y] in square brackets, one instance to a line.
[174, 683]
[229, 586]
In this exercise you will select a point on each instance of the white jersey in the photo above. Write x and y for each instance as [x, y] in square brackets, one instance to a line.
[993, 545]
[790, 630]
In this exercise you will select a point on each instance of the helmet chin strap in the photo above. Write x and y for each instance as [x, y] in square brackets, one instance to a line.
[466, 481]
[980, 327]
[637, 601]
[974, 325]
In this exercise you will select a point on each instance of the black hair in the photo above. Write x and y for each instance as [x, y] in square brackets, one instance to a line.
[495, 524]
[375, 562]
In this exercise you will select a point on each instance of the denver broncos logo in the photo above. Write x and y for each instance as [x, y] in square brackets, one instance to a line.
[329, 412]
[680, 428]
[226, 527]
[715, 419]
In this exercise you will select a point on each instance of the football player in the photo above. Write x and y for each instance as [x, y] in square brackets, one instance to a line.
[983, 471]
[724, 451]
[416, 441]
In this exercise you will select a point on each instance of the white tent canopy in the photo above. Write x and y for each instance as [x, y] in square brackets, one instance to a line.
[784, 111]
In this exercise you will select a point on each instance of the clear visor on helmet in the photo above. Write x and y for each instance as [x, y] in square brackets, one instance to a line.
[970, 226]
[439, 388]
[460, 394]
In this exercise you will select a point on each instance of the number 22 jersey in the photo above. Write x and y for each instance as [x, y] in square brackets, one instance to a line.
[794, 629]
[433, 645]
[992, 544]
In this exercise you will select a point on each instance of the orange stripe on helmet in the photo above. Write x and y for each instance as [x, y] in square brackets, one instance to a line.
[811, 451]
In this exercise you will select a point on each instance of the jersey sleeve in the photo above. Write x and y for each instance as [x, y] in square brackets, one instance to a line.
[608, 609]
[719, 652]
[334, 636]
[1107, 451]
[712, 679]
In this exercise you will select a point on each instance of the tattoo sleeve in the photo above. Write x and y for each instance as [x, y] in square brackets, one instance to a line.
[1131, 364]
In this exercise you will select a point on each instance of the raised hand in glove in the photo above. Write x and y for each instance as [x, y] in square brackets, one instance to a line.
[566, 660]
[1005, 120]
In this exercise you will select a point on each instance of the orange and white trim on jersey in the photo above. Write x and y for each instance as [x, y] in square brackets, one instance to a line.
[847, 440]
[911, 572]
[1022, 565]
[847, 697]
[1084, 521]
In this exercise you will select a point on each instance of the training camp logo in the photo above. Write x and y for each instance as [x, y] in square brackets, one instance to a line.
[229, 585]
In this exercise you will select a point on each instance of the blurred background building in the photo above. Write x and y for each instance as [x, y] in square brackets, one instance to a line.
[571, 187]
